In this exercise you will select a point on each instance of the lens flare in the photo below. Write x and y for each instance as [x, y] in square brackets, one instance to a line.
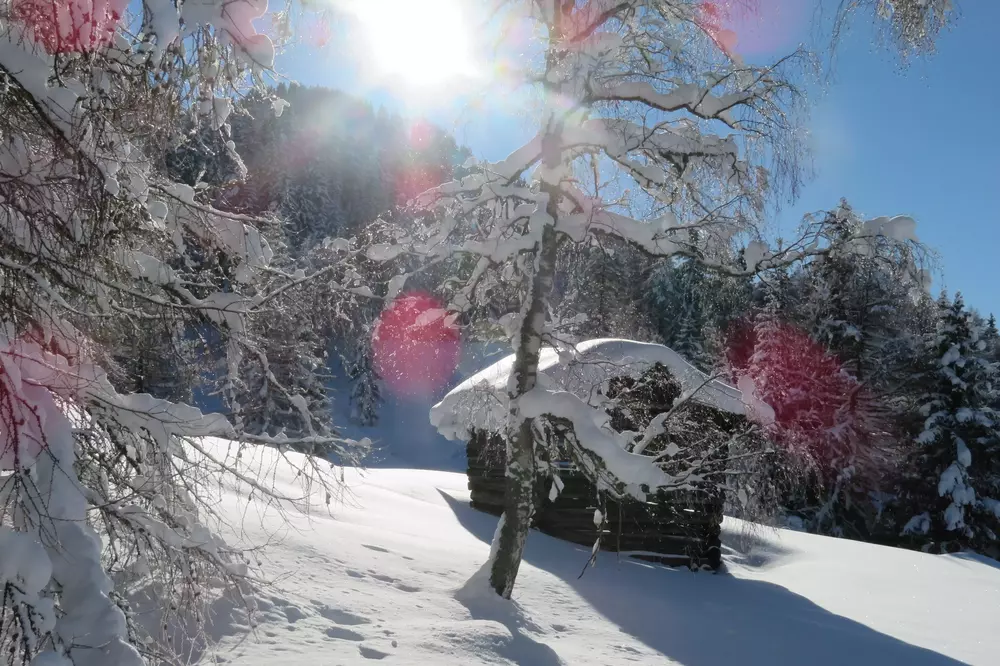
[822, 414]
[70, 26]
[420, 45]
[754, 27]
[415, 346]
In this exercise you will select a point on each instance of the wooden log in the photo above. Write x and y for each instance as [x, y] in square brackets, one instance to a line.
[672, 532]
[675, 551]
[487, 508]
[484, 497]
[654, 532]
[657, 558]
[656, 527]
[634, 513]
[588, 518]
[659, 544]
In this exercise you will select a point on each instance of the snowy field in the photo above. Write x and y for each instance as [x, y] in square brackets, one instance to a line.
[374, 578]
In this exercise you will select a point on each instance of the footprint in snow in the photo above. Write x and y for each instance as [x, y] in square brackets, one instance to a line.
[344, 634]
[380, 549]
[343, 617]
[294, 613]
[395, 582]
[372, 653]
[407, 588]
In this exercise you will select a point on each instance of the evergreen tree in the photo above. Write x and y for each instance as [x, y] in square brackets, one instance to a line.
[677, 300]
[598, 290]
[856, 302]
[692, 308]
[826, 426]
[329, 164]
[288, 396]
[366, 393]
[953, 487]
[991, 337]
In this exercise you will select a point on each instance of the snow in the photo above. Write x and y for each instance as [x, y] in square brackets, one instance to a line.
[689, 96]
[384, 251]
[900, 228]
[403, 436]
[24, 562]
[279, 105]
[233, 18]
[964, 456]
[759, 410]
[480, 402]
[91, 628]
[755, 253]
[951, 356]
[378, 578]
[632, 469]
[918, 524]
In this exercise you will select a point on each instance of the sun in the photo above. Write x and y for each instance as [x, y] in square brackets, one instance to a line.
[421, 44]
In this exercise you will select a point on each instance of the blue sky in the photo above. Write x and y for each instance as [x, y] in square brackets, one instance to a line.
[892, 141]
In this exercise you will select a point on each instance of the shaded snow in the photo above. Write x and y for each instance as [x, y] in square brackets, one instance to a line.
[403, 436]
[376, 579]
[480, 402]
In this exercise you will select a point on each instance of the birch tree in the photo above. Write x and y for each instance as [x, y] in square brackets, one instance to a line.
[911, 26]
[649, 131]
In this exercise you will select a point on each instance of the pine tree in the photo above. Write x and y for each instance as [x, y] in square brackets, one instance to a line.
[991, 337]
[689, 341]
[856, 302]
[681, 301]
[954, 486]
[598, 290]
[826, 425]
[366, 392]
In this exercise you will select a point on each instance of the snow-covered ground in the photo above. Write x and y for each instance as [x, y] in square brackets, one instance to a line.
[374, 578]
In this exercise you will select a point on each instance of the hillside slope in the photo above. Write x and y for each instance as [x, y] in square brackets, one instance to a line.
[374, 578]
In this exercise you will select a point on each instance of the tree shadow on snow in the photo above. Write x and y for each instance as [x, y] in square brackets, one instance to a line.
[483, 604]
[707, 620]
[977, 558]
[748, 548]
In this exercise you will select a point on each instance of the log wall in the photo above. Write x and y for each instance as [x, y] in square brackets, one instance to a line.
[676, 529]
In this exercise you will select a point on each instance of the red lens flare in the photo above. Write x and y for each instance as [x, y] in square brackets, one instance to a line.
[753, 27]
[415, 346]
[70, 26]
[821, 413]
[35, 369]
[714, 18]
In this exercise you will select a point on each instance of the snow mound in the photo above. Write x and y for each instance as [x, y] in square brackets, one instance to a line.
[480, 402]
[383, 577]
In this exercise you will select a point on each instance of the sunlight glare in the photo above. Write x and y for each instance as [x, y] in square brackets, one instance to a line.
[424, 44]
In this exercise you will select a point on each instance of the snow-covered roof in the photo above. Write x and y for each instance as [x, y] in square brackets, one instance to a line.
[480, 402]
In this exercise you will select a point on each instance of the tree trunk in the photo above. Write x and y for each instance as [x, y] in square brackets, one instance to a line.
[519, 505]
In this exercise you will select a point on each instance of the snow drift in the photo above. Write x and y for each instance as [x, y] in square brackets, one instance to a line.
[375, 578]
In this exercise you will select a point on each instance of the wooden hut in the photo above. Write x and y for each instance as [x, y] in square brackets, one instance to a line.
[633, 382]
